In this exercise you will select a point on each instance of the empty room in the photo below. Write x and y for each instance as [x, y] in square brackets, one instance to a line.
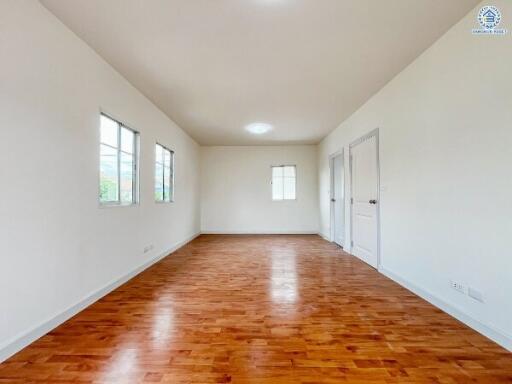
[255, 191]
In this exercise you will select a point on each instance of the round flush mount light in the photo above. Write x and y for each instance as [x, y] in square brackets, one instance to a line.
[258, 128]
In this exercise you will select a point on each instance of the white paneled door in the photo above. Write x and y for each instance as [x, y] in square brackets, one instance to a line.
[365, 184]
[338, 200]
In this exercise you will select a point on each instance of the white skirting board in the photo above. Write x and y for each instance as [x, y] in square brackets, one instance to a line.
[19, 342]
[325, 237]
[492, 333]
[222, 232]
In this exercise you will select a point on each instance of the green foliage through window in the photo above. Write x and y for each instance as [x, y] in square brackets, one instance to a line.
[117, 163]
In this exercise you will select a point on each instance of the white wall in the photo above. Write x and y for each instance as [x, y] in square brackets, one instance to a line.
[445, 147]
[58, 246]
[236, 195]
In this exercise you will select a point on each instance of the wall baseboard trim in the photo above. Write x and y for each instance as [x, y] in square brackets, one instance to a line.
[222, 232]
[19, 342]
[325, 237]
[498, 336]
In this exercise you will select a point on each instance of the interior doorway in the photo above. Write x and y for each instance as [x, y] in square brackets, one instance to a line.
[337, 198]
[364, 176]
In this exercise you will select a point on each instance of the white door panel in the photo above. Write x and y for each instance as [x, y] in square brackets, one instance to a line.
[364, 177]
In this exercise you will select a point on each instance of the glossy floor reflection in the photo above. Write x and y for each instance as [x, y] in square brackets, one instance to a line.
[260, 309]
[284, 275]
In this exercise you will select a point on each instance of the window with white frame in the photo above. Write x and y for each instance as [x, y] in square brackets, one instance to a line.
[284, 182]
[118, 163]
[164, 174]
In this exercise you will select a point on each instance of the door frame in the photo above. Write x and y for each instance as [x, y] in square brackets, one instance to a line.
[375, 133]
[341, 153]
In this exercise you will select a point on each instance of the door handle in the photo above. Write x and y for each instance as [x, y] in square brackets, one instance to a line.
[373, 201]
[333, 200]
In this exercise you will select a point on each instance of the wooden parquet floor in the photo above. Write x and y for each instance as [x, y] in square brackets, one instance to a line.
[260, 309]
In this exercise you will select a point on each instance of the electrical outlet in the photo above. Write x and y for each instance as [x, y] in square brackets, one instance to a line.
[458, 286]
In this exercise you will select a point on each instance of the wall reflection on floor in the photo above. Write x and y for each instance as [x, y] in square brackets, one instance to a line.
[163, 327]
[284, 276]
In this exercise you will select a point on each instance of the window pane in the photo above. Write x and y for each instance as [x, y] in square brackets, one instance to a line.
[284, 182]
[277, 172]
[108, 174]
[126, 178]
[159, 180]
[158, 153]
[127, 139]
[171, 190]
[289, 171]
[167, 158]
[277, 188]
[289, 188]
[109, 131]
[163, 174]
[167, 183]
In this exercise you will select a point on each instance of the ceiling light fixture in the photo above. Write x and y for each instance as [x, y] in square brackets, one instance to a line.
[258, 128]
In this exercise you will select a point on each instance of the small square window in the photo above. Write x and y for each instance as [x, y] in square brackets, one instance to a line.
[284, 182]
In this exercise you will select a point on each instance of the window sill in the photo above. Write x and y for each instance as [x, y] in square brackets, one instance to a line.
[118, 205]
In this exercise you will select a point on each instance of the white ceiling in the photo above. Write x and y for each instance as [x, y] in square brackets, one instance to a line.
[214, 66]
